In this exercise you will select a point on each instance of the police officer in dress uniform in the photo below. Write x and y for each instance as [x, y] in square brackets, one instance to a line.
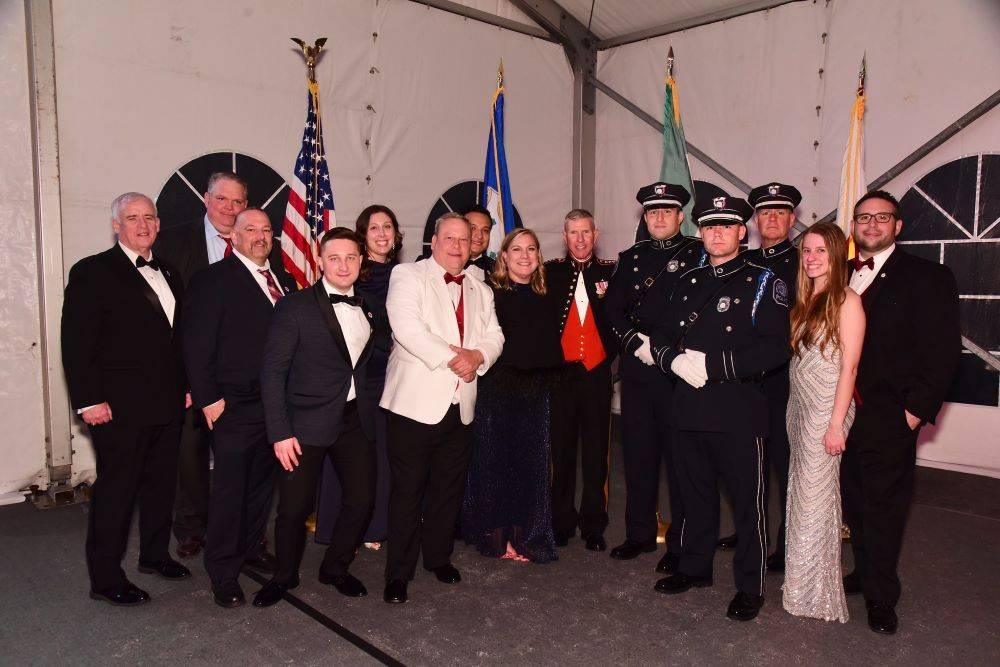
[726, 328]
[650, 266]
[581, 411]
[774, 209]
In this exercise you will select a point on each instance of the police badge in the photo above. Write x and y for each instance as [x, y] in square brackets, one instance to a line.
[723, 304]
[660, 189]
[673, 265]
[772, 190]
[719, 202]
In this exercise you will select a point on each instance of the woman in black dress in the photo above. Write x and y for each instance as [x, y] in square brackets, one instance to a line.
[507, 510]
[381, 242]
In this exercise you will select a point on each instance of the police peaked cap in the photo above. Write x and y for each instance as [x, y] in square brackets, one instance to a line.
[775, 195]
[722, 211]
[663, 195]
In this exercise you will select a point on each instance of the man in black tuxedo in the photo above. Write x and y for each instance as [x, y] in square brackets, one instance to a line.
[313, 384]
[482, 225]
[911, 349]
[126, 380]
[226, 315]
[190, 247]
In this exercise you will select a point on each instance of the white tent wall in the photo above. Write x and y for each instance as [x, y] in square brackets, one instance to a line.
[749, 88]
[22, 449]
[145, 86]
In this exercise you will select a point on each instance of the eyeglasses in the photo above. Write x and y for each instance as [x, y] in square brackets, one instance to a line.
[868, 218]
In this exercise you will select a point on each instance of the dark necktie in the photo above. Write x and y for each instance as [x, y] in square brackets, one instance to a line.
[229, 246]
[272, 286]
[343, 298]
[858, 263]
[152, 263]
[460, 308]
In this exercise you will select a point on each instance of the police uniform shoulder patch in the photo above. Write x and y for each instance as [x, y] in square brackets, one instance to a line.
[780, 292]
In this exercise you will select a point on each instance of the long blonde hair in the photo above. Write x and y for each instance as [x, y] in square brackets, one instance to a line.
[816, 315]
[500, 276]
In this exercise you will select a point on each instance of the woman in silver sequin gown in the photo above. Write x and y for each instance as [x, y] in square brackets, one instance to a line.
[828, 330]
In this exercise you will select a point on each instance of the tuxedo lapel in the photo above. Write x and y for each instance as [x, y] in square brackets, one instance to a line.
[199, 247]
[248, 281]
[444, 304]
[130, 275]
[870, 296]
[325, 307]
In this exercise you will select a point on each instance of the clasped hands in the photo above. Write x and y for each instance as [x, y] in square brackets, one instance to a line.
[465, 363]
[690, 367]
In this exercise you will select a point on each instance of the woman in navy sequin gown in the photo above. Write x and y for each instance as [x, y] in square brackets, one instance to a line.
[379, 230]
[507, 509]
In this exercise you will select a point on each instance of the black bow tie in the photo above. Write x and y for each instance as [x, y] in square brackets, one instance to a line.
[153, 264]
[858, 263]
[349, 300]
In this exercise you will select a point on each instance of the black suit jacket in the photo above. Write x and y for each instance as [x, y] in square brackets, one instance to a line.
[912, 343]
[184, 247]
[306, 370]
[226, 316]
[117, 343]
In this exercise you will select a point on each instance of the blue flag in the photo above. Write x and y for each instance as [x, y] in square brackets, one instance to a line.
[495, 195]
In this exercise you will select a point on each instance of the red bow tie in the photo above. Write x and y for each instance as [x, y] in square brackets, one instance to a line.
[448, 278]
[858, 263]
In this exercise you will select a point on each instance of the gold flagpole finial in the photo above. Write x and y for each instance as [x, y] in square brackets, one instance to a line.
[670, 62]
[500, 75]
[311, 54]
[862, 74]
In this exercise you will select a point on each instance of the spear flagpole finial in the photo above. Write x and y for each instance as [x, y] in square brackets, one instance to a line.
[670, 62]
[862, 73]
[500, 75]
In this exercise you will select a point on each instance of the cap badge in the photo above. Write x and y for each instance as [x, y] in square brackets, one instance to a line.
[660, 189]
[673, 265]
[719, 202]
[723, 304]
[772, 190]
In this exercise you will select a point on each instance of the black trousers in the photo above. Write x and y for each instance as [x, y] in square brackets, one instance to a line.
[191, 504]
[876, 479]
[242, 490]
[646, 447]
[429, 465]
[353, 456]
[134, 464]
[581, 413]
[701, 459]
[777, 452]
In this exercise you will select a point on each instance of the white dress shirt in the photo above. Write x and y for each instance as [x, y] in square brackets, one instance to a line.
[862, 280]
[355, 326]
[214, 243]
[581, 298]
[157, 282]
[254, 270]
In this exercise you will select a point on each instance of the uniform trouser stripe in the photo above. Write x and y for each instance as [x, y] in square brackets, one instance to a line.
[760, 511]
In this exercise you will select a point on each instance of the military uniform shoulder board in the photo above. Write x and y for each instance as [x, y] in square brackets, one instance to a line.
[606, 262]
[555, 260]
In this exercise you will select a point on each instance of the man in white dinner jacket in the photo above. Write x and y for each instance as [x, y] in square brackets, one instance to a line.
[446, 335]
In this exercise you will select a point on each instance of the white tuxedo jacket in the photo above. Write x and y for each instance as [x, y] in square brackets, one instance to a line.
[418, 383]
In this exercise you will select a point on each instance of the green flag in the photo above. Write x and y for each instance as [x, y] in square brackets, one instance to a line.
[675, 168]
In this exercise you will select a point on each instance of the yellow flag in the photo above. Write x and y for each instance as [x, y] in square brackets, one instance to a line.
[852, 176]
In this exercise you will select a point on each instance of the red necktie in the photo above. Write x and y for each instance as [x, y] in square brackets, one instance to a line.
[858, 263]
[229, 246]
[272, 286]
[460, 308]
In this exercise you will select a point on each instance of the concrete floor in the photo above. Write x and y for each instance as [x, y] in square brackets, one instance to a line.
[583, 609]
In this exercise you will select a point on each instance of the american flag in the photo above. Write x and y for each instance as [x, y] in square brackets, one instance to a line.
[310, 201]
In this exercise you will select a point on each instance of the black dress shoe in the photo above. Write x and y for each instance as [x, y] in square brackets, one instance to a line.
[167, 568]
[263, 561]
[595, 543]
[122, 596]
[680, 583]
[745, 606]
[446, 574]
[727, 543]
[272, 592]
[229, 594]
[346, 584]
[395, 592]
[628, 550]
[882, 618]
[668, 564]
[852, 584]
[776, 562]
[190, 547]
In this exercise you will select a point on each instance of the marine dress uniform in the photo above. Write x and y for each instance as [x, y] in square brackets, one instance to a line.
[736, 314]
[783, 260]
[647, 268]
[582, 409]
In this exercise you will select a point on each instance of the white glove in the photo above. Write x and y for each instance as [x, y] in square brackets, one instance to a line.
[698, 363]
[686, 368]
[644, 353]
